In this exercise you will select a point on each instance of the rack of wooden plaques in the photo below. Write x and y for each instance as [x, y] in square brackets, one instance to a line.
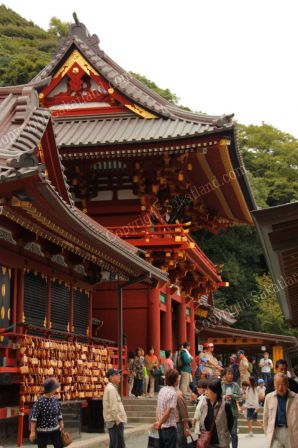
[79, 367]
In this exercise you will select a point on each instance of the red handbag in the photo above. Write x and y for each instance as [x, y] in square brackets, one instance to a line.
[205, 438]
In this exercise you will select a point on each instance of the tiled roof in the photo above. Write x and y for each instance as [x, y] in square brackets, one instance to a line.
[122, 80]
[22, 126]
[123, 129]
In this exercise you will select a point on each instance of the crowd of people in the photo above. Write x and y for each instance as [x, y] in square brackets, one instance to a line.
[219, 393]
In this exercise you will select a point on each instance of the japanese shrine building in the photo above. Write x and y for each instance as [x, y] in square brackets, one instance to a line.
[150, 172]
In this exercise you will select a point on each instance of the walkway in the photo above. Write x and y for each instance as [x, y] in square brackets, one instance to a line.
[258, 441]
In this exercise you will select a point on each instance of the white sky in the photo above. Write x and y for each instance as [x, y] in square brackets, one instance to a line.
[218, 56]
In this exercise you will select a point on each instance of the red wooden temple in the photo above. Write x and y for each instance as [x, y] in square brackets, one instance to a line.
[150, 172]
[52, 257]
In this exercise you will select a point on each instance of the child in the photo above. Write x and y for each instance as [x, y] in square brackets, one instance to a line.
[261, 391]
[244, 386]
[251, 405]
[131, 372]
[203, 368]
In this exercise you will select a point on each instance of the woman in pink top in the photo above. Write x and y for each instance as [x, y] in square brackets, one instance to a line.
[168, 363]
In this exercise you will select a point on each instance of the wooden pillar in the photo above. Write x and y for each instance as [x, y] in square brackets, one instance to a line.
[49, 302]
[90, 313]
[71, 292]
[192, 333]
[182, 334]
[154, 320]
[168, 339]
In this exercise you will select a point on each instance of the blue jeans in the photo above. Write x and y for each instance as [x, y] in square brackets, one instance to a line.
[266, 377]
[234, 435]
[181, 439]
[138, 387]
[117, 436]
[168, 437]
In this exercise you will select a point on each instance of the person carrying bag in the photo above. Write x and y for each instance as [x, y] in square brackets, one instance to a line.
[206, 436]
[215, 418]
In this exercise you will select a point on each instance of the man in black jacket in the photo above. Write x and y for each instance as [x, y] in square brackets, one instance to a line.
[282, 367]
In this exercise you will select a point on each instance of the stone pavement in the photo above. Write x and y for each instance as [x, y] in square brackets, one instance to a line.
[94, 440]
[258, 441]
[137, 437]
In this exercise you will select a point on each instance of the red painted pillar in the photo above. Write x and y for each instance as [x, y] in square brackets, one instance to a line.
[154, 320]
[192, 332]
[182, 334]
[168, 339]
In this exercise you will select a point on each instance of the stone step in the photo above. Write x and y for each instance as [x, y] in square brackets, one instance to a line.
[141, 419]
[137, 413]
[244, 430]
[151, 401]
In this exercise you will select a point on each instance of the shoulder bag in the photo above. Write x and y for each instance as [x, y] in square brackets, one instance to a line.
[206, 436]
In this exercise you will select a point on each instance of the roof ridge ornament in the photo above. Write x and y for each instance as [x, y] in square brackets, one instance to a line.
[78, 30]
[75, 18]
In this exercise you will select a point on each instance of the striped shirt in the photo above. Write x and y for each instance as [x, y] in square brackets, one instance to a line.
[167, 398]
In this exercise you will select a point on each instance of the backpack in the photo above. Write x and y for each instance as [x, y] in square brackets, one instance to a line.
[179, 361]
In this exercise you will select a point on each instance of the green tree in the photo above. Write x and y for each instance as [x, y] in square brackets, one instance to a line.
[238, 250]
[271, 156]
[59, 28]
[24, 47]
[270, 315]
[165, 93]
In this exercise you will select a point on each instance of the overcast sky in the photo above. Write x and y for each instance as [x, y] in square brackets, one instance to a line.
[218, 56]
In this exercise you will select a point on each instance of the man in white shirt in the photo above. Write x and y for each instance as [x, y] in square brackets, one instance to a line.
[113, 410]
[167, 413]
[266, 365]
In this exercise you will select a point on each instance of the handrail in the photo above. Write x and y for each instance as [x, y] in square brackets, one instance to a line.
[4, 332]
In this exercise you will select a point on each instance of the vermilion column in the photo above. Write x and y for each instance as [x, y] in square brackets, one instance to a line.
[192, 333]
[168, 339]
[154, 320]
[182, 334]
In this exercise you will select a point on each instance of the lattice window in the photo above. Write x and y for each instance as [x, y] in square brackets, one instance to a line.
[35, 299]
[81, 312]
[60, 306]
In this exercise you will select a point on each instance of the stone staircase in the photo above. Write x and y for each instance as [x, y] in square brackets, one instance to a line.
[142, 410]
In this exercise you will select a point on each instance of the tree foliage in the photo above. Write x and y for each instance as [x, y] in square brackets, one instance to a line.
[24, 47]
[58, 28]
[165, 93]
[271, 318]
[271, 156]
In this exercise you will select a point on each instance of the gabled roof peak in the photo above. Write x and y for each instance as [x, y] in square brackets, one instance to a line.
[78, 30]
